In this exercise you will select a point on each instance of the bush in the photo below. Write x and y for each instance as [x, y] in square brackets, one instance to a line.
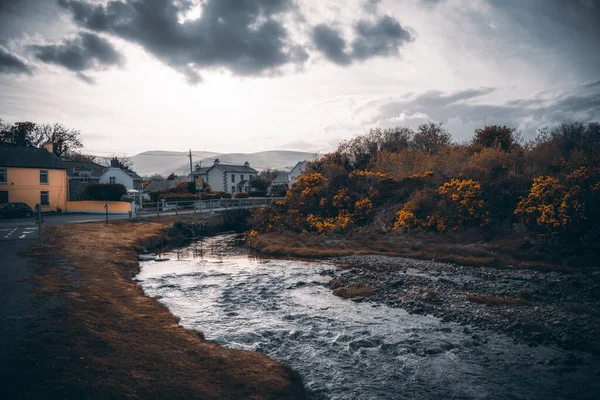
[258, 193]
[226, 195]
[241, 195]
[171, 197]
[105, 191]
[210, 196]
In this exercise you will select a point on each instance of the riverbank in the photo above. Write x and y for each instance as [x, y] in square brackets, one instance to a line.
[102, 338]
[533, 301]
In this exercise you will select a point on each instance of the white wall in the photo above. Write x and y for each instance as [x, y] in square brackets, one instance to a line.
[215, 179]
[120, 177]
[296, 171]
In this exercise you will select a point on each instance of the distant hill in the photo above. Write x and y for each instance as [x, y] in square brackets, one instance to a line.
[166, 162]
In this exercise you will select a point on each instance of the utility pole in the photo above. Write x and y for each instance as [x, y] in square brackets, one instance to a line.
[191, 170]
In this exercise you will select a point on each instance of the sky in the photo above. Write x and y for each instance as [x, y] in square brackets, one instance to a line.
[253, 75]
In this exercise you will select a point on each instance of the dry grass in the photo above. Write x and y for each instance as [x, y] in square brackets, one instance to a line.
[110, 341]
[467, 248]
[493, 300]
[353, 291]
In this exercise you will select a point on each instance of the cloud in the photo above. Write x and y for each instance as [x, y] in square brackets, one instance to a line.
[464, 111]
[84, 52]
[244, 37]
[381, 38]
[331, 43]
[12, 64]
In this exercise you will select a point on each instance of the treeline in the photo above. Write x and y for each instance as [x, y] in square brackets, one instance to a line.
[66, 142]
[403, 180]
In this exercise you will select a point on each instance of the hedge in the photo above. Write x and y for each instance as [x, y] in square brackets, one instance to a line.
[105, 191]
[241, 195]
[258, 193]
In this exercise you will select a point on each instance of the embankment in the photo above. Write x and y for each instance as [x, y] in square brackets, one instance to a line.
[102, 338]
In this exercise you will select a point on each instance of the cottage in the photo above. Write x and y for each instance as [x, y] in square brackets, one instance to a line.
[33, 176]
[298, 169]
[225, 177]
[116, 174]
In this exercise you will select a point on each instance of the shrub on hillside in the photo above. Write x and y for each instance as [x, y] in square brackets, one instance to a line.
[105, 191]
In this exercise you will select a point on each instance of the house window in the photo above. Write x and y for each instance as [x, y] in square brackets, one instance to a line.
[232, 178]
[45, 198]
[241, 177]
[112, 179]
[232, 189]
[43, 177]
[3, 176]
[3, 196]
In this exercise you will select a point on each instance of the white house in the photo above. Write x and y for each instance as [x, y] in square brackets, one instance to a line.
[296, 172]
[114, 174]
[225, 177]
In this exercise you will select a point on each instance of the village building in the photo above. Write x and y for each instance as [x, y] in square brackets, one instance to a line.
[228, 178]
[33, 176]
[80, 175]
[116, 174]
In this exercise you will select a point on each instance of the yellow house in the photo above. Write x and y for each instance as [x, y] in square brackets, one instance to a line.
[33, 176]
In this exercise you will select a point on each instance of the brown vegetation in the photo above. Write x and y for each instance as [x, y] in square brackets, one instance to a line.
[464, 248]
[106, 340]
[353, 291]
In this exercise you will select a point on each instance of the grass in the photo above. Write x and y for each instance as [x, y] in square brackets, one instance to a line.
[105, 339]
[353, 291]
[466, 248]
[493, 300]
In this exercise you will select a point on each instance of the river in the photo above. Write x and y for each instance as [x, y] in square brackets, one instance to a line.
[349, 350]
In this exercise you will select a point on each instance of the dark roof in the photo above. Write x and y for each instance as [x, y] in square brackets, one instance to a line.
[73, 167]
[236, 168]
[132, 174]
[156, 186]
[29, 157]
[281, 177]
[201, 171]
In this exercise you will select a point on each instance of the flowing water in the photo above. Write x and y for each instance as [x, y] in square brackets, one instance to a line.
[348, 350]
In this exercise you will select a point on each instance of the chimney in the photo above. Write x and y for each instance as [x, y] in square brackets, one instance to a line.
[217, 161]
[199, 165]
[247, 164]
[114, 162]
[48, 146]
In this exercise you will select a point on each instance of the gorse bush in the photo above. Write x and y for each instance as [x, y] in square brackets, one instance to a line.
[404, 180]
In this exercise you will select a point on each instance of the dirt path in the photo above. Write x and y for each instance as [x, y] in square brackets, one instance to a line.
[99, 337]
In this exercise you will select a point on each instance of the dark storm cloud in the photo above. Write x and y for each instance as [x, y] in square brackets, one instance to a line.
[383, 37]
[11, 64]
[462, 115]
[84, 52]
[244, 37]
[331, 43]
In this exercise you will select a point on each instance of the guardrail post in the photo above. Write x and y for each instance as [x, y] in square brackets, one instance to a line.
[194, 207]
[176, 207]
[158, 209]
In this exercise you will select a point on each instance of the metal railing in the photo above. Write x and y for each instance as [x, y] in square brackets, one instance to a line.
[201, 206]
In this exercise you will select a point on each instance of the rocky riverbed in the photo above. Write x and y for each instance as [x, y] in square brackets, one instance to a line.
[549, 308]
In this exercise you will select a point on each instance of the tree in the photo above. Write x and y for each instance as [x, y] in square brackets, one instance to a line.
[495, 136]
[260, 184]
[171, 177]
[20, 134]
[431, 138]
[156, 177]
[64, 141]
[79, 157]
[119, 161]
[269, 173]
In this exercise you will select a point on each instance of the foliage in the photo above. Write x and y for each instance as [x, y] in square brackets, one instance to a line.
[66, 142]
[241, 195]
[565, 208]
[260, 184]
[105, 191]
[495, 136]
[170, 197]
[257, 193]
[401, 180]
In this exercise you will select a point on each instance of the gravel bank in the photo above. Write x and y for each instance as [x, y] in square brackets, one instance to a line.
[550, 307]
